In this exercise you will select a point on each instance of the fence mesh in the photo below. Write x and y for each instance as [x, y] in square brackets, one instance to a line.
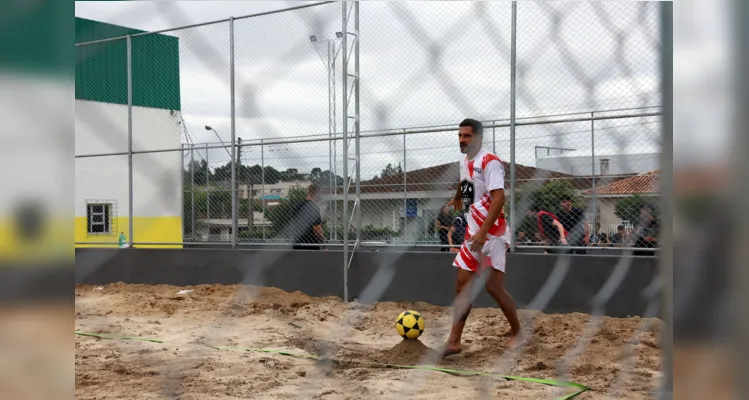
[583, 143]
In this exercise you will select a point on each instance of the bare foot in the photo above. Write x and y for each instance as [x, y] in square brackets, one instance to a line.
[516, 341]
[451, 350]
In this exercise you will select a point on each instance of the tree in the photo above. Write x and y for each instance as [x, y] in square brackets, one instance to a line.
[547, 197]
[272, 175]
[197, 172]
[314, 175]
[326, 177]
[282, 214]
[628, 208]
[389, 170]
[291, 174]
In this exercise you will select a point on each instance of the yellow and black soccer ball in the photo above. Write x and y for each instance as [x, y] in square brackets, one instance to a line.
[410, 324]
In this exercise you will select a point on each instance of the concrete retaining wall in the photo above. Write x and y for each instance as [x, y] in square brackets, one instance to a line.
[405, 276]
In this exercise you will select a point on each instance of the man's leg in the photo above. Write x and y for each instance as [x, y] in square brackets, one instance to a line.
[461, 310]
[495, 285]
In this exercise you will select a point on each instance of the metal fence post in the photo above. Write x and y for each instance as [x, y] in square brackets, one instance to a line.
[358, 125]
[667, 202]
[234, 187]
[192, 193]
[207, 190]
[593, 169]
[405, 187]
[182, 187]
[513, 76]
[262, 182]
[130, 140]
[494, 137]
[344, 75]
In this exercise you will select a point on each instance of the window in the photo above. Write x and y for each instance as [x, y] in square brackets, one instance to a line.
[99, 216]
[604, 166]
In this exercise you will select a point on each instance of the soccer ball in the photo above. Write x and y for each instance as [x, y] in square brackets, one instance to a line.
[410, 324]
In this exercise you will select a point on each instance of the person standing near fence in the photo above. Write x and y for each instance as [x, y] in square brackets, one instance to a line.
[307, 222]
[481, 196]
[550, 229]
[457, 232]
[573, 221]
[442, 226]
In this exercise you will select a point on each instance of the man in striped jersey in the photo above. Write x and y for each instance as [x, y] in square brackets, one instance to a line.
[481, 196]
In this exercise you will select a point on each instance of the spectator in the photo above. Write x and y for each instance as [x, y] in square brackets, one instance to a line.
[550, 229]
[605, 240]
[442, 226]
[307, 222]
[595, 238]
[573, 221]
[538, 239]
[620, 237]
[646, 233]
[522, 238]
[457, 233]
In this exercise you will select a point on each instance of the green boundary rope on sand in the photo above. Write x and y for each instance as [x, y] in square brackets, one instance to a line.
[549, 382]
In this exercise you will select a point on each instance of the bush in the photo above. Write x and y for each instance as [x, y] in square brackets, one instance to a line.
[282, 214]
[628, 208]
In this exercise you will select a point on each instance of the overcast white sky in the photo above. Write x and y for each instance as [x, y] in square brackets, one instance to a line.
[421, 64]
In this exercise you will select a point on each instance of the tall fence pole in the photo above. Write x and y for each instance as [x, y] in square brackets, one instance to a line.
[513, 76]
[192, 192]
[130, 140]
[234, 187]
[358, 125]
[182, 186]
[344, 75]
[405, 188]
[262, 182]
[667, 202]
[494, 137]
[207, 189]
[593, 169]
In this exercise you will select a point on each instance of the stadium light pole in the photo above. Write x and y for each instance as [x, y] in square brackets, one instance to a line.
[330, 46]
[208, 128]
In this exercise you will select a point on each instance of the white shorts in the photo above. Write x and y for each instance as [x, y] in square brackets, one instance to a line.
[493, 254]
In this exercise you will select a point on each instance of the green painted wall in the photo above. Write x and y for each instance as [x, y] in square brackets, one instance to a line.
[35, 38]
[101, 68]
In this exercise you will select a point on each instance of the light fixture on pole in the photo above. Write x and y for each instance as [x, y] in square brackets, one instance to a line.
[208, 128]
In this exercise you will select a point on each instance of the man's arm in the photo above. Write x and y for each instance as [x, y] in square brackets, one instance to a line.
[560, 228]
[318, 232]
[498, 203]
[317, 228]
[450, 234]
[587, 230]
[457, 201]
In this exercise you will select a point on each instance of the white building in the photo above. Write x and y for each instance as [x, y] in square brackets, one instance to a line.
[101, 127]
[580, 163]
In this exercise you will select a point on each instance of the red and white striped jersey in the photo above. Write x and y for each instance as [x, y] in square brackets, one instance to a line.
[478, 177]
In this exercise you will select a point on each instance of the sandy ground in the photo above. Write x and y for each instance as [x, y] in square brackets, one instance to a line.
[620, 361]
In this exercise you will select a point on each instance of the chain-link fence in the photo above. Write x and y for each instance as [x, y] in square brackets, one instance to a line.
[581, 80]
[218, 134]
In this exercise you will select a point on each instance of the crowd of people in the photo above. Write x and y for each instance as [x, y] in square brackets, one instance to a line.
[564, 227]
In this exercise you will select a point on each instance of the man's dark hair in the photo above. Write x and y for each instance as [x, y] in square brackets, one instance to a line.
[313, 189]
[478, 128]
[620, 227]
[566, 197]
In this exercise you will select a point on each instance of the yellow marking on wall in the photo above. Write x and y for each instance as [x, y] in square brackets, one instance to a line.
[146, 229]
[53, 243]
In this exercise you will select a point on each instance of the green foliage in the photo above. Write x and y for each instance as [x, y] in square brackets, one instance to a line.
[628, 208]
[548, 196]
[370, 232]
[390, 170]
[281, 214]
